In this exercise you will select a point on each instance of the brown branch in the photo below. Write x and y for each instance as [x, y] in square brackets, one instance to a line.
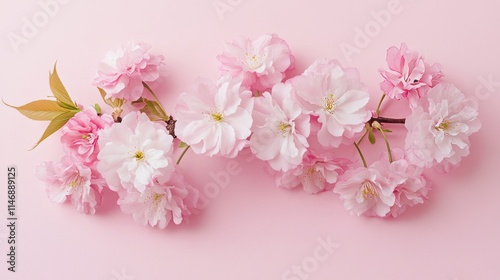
[386, 120]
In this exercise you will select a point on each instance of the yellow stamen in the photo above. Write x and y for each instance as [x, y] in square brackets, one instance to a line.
[157, 197]
[284, 127]
[254, 61]
[77, 180]
[153, 201]
[311, 172]
[73, 184]
[443, 126]
[368, 190]
[330, 103]
[218, 117]
[139, 155]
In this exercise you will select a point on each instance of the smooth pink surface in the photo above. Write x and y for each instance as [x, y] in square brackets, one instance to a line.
[251, 229]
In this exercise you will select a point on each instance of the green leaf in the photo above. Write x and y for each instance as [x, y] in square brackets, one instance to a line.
[118, 102]
[158, 106]
[182, 145]
[58, 89]
[40, 110]
[387, 130]
[371, 137]
[112, 102]
[55, 125]
[97, 109]
[138, 101]
[153, 110]
[103, 95]
[67, 107]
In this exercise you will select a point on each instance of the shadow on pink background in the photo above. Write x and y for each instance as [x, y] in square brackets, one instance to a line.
[251, 230]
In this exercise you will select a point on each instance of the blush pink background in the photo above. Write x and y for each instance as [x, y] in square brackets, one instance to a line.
[251, 230]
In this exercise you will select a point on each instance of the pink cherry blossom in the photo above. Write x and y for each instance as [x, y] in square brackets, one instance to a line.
[260, 63]
[337, 97]
[122, 72]
[315, 174]
[439, 135]
[409, 75]
[80, 134]
[74, 180]
[280, 129]
[366, 191]
[215, 120]
[133, 152]
[411, 187]
[411, 192]
[161, 202]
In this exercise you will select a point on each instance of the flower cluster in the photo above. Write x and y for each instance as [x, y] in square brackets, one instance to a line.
[300, 126]
[131, 155]
[383, 188]
[76, 176]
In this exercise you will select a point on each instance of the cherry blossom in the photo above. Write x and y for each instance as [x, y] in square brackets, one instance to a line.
[337, 97]
[122, 72]
[133, 152]
[280, 129]
[215, 120]
[260, 63]
[439, 135]
[409, 75]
